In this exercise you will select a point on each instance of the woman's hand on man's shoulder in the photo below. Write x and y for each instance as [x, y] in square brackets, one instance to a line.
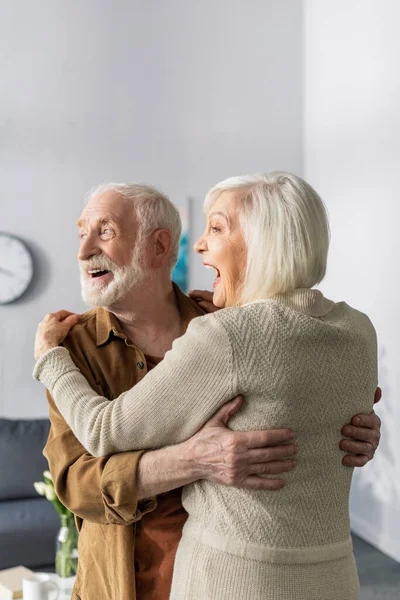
[204, 299]
[53, 330]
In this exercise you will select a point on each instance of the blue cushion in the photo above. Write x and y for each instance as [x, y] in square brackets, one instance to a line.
[28, 530]
[21, 459]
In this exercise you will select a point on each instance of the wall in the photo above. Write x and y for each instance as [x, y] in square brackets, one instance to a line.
[179, 94]
[352, 156]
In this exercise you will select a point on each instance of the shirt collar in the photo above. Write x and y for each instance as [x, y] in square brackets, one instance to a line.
[107, 324]
[188, 308]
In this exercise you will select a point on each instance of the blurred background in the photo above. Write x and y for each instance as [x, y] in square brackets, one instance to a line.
[182, 94]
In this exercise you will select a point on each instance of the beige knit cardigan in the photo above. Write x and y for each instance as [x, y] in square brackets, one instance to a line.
[301, 361]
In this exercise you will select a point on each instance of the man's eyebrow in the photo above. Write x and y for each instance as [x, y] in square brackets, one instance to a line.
[107, 221]
[100, 223]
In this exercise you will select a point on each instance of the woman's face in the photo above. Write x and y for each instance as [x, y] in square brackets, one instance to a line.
[222, 247]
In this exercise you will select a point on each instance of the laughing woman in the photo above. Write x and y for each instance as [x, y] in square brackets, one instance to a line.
[300, 360]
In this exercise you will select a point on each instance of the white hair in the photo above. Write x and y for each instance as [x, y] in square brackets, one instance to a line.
[286, 230]
[153, 210]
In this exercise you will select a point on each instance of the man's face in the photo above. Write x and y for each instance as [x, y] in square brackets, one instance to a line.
[110, 254]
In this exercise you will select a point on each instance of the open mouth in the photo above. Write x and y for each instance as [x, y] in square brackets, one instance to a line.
[97, 273]
[217, 273]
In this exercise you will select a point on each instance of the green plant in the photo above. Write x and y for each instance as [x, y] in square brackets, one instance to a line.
[67, 538]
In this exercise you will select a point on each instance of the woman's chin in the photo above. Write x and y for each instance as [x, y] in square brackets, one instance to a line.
[219, 299]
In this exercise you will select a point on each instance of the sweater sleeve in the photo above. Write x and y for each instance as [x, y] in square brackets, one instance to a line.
[167, 407]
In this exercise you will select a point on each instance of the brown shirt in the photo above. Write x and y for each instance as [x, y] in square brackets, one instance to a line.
[119, 559]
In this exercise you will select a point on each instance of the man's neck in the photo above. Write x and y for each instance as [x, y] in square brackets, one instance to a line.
[149, 316]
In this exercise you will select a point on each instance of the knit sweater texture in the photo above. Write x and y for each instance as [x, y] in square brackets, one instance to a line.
[301, 361]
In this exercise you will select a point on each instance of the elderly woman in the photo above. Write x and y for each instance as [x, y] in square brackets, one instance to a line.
[299, 359]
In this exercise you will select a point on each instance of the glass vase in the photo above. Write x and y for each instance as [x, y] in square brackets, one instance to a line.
[67, 547]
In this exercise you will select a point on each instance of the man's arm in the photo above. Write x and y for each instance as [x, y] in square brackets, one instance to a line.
[113, 489]
[220, 455]
[101, 490]
[364, 430]
[109, 490]
[239, 458]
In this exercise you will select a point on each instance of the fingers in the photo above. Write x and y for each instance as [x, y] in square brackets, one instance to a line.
[371, 421]
[59, 315]
[201, 295]
[260, 439]
[275, 453]
[364, 448]
[363, 434]
[227, 411]
[252, 482]
[273, 468]
[378, 395]
[71, 320]
[53, 330]
[209, 307]
[352, 460]
[204, 299]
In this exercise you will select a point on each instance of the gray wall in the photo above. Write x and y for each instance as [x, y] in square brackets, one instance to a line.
[352, 156]
[179, 94]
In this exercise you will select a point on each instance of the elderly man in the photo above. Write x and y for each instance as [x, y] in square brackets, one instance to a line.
[128, 505]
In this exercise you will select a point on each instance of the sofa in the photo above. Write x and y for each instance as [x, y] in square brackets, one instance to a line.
[28, 522]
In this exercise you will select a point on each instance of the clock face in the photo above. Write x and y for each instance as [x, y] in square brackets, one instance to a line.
[16, 268]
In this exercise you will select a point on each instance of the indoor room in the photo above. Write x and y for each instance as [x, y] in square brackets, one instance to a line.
[198, 257]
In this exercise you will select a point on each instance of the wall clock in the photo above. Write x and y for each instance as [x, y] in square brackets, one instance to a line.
[16, 267]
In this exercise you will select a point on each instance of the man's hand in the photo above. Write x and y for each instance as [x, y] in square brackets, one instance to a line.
[53, 330]
[238, 458]
[365, 432]
[204, 299]
[216, 453]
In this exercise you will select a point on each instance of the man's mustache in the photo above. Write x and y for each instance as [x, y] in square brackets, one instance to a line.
[98, 262]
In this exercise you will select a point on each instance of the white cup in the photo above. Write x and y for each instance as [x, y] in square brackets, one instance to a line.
[38, 587]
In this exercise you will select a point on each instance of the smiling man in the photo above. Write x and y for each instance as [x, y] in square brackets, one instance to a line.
[128, 505]
[103, 280]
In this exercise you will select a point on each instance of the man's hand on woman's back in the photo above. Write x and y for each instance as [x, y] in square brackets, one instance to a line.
[240, 458]
[365, 433]
[361, 440]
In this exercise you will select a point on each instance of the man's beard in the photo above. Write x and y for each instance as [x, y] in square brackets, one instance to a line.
[124, 278]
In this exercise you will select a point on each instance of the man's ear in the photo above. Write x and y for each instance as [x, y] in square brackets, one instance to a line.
[161, 242]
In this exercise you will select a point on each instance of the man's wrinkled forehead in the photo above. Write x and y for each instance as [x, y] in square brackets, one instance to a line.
[108, 207]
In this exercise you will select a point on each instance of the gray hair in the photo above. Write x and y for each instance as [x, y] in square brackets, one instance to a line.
[153, 210]
[286, 230]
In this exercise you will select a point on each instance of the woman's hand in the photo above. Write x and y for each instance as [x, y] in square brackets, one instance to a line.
[204, 299]
[53, 330]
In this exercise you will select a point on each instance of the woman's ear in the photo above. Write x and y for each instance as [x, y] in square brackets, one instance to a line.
[161, 241]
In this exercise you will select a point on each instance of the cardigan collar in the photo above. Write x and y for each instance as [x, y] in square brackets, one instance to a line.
[307, 301]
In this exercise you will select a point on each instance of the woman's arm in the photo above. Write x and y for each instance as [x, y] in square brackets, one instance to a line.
[167, 407]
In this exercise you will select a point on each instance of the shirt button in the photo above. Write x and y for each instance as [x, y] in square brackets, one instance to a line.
[140, 365]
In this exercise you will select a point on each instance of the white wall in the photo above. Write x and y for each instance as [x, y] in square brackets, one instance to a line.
[352, 157]
[179, 94]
